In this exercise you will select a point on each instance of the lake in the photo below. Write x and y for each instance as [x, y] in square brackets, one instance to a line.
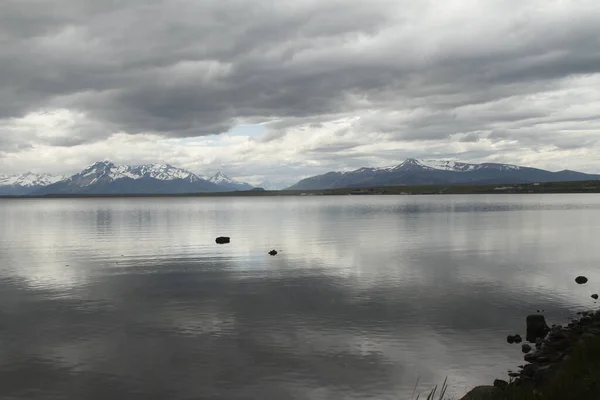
[132, 299]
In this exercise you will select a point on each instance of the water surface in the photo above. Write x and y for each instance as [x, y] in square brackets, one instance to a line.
[132, 299]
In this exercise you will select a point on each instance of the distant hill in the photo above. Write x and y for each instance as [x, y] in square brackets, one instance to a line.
[437, 172]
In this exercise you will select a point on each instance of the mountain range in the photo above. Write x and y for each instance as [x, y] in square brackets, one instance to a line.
[17, 185]
[436, 172]
[105, 177]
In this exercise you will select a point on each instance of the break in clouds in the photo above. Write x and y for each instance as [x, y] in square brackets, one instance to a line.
[288, 89]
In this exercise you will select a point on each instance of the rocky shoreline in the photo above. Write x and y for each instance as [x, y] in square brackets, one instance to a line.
[546, 351]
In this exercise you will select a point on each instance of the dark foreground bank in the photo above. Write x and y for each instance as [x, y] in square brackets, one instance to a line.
[563, 365]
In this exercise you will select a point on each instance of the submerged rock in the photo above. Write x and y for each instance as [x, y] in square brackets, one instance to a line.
[581, 280]
[223, 240]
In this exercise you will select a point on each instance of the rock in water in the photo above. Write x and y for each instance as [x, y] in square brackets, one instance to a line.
[595, 296]
[518, 338]
[536, 327]
[510, 339]
[273, 253]
[526, 348]
[581, 280]
[223, 240]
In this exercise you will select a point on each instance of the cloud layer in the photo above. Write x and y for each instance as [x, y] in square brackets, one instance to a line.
[323, 84]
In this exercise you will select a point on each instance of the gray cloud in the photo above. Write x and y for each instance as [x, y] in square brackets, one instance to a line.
[411, 71]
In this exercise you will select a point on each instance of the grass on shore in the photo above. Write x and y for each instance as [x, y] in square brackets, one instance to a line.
[577, 379]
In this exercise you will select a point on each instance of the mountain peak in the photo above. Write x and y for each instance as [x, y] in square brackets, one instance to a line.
[220, 177]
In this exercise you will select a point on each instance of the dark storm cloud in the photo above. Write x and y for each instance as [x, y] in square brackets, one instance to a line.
[185, 68]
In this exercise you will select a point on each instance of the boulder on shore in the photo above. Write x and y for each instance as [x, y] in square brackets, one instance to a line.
[536, 327]
[500, 384]
[223, 240]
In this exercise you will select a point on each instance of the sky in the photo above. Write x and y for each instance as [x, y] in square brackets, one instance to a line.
[289, 89]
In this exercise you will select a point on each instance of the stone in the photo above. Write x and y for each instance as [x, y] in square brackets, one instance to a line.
[581, 280]
[559, 344]
[500, 384]
[595, 296]
[543, 360]
[510, 339]
[273, 252]
[536, 327]
[588, 336]
[223, 240]
[518, 338]
[529, 370]
[542, 373]
[514, 374]
[538, 343]
[557, 335]
[526, 348]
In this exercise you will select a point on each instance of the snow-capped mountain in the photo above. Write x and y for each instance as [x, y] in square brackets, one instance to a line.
[105, 177]
[429, 172]
[226, 182]
[25, 183]
[107, 171]
[448, 165]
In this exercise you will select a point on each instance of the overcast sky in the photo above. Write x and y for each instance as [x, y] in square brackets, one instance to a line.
[286, 89]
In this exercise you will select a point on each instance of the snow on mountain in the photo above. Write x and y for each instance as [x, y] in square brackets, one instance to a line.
[430, 172]
[449, 165]
[108, 171]
[273, 185]
[220, 178]
[226, 182]
[29, 179]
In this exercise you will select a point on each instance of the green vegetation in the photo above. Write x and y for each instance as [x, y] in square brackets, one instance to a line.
[577, 378]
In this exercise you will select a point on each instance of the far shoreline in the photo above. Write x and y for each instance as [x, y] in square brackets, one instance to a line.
[403, 190]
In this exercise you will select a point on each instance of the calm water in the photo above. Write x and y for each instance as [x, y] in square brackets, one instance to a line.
[131, 299]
